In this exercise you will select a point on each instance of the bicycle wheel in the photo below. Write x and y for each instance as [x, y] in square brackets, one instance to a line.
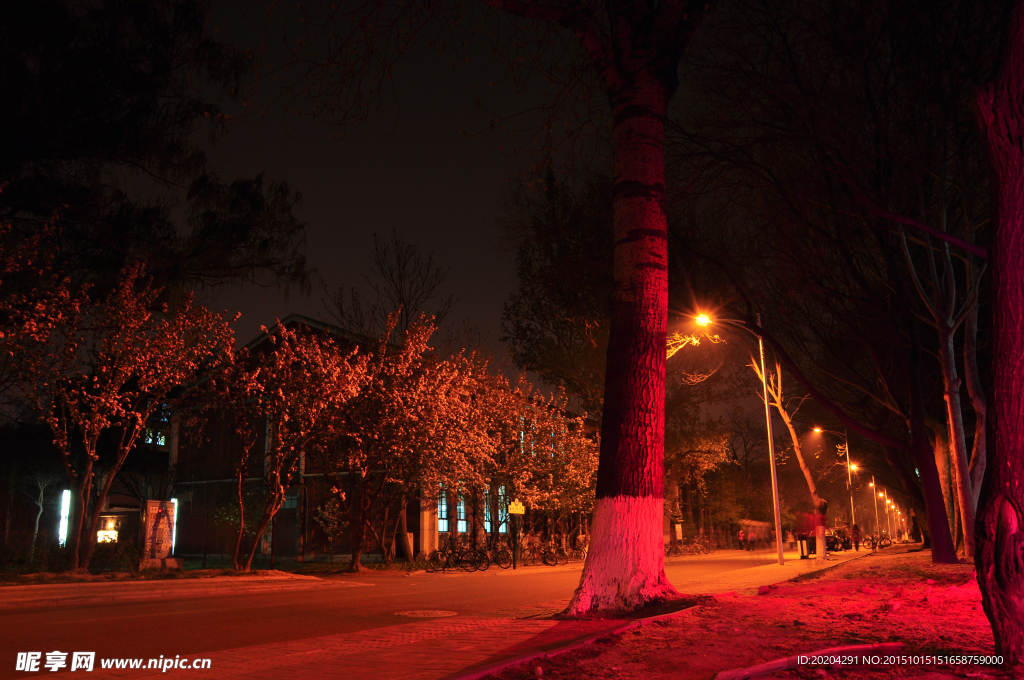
[438, 562]
[503, 559]
[563, 555]
[468, 560]
[884, 543]
[483, 561]
[550, 558]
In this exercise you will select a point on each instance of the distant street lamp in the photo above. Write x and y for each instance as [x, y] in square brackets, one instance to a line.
[705, 320]
[888, 521]
[849, 469]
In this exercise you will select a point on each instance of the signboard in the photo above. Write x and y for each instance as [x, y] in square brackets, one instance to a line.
[516, 508]
[159, 530]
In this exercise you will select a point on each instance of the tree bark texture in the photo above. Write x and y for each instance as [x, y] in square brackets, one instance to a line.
[943, 549]
[1000, 539]
[957, 439]
[940, 448]
[625, 567]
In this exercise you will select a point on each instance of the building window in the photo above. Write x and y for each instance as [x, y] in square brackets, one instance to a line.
[460, 516]
[155, 432]
[291, 499]
[442, 511]
[502, 510]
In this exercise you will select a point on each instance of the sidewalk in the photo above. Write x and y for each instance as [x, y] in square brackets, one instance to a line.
[755, 577]
[449, 647]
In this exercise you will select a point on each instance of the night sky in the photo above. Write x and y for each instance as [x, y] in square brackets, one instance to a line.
[409, 169]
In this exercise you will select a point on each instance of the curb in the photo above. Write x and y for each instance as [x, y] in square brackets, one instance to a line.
[616, 629]
[154, 595]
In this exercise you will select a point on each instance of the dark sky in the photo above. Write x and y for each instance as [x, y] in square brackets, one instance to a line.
[409, 169]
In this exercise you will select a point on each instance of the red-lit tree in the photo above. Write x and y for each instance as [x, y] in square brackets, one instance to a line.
[629, 53]
[410, 425]
[282, 395]
[109, 366]
[999, 531]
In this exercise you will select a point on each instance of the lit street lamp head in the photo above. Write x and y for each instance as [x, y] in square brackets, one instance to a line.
[818, 430]
[703, 320]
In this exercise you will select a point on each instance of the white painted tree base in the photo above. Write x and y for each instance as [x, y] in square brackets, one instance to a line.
[625, 567]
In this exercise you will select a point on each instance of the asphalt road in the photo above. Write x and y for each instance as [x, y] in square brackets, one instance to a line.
[347, 604]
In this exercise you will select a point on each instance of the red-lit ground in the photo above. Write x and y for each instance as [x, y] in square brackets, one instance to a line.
[829, 609]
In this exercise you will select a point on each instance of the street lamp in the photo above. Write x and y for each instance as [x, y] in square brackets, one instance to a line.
[849, 469]
[705, 320]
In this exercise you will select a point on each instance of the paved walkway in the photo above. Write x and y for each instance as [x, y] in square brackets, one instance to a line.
[751, 579]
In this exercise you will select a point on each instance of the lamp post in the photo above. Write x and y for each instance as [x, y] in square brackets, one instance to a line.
[888, 521]
[849, 469]
[705, 320]
[875, 499]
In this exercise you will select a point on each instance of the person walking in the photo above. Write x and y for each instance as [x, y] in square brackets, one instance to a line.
[751, 537]
[742, 538]
[855, 535]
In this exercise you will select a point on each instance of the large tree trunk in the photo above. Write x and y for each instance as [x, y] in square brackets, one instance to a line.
[101, 499]
[972, 378]
[79, 508]
[957, 439]
[1000, 539]
[940, 447]
[943, 550]
[625, 567]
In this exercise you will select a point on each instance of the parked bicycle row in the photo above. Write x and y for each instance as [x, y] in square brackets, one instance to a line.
[476, 559]
[698, 546]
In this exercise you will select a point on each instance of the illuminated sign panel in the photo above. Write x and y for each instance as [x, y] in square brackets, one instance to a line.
[65, 512]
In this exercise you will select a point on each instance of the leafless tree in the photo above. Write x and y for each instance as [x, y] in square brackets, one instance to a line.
[35, 485]
[402, 280]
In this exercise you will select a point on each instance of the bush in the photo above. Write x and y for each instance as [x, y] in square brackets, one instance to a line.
[119, 556]
[17, 557]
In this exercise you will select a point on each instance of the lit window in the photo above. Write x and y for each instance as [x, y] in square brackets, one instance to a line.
[106, 536]
[460, 515]
[442, 511]
[156, 437]
[487, 511]
[502, 510]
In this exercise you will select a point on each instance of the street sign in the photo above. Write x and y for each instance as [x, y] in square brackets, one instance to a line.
[516, 508]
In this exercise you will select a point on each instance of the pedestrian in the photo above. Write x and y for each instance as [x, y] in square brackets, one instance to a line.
[751, 537]
[742, 537]
[855, 534]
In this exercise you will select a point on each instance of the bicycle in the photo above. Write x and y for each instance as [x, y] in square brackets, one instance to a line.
[878, 542]
[456, 557]
[499, 554]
